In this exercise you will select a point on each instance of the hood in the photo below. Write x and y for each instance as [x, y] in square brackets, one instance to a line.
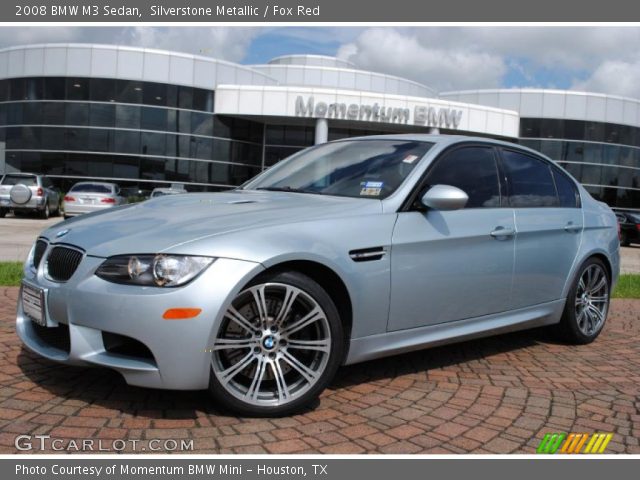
[160, 224]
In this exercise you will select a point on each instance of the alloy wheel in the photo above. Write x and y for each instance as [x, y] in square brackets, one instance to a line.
[592, 300]
[272, 346]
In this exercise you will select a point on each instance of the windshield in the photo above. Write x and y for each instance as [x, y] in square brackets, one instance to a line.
[91, 188]
[352, 168]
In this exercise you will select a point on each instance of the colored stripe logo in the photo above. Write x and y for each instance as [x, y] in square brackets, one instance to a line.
[574, 443]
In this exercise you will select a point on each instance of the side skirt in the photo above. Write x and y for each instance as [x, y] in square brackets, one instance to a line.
[402, 341]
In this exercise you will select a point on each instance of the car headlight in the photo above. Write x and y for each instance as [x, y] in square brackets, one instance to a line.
[153, 270]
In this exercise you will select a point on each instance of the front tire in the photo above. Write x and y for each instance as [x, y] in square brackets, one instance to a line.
[587, 306]
[279, 345]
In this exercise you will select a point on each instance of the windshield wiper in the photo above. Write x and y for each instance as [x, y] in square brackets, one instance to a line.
[285, 189]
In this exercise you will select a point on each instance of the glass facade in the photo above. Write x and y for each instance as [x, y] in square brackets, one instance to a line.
[153, 134]
[148, 133]
[604, 157]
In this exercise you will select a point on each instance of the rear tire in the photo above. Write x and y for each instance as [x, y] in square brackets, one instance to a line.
[45, 212]
[288, 361]
[587, 306]
[3, 212]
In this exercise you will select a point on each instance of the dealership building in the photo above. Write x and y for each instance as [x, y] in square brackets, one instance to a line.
[148, 118]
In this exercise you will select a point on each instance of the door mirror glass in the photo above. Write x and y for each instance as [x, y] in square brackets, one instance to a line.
[444, 197]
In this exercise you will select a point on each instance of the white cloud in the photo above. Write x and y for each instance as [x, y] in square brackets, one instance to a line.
[393, 52]
[613, 77]
[480, 57]
[228, 43]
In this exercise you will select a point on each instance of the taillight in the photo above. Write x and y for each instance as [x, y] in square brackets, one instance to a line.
[69, 198]
[108, 200]
[40, 192]
[638, 226]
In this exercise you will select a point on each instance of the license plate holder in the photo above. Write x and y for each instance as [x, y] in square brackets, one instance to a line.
[33, 304]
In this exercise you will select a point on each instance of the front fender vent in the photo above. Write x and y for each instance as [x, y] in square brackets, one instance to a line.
[367, 254]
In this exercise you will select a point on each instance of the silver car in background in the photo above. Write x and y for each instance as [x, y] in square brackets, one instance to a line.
[88, 197]
[27, 192]
[342, 253]
[161, 192]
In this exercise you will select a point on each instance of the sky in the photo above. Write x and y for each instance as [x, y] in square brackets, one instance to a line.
[597, 59]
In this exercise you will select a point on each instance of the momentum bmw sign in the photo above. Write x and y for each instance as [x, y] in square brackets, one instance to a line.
[304, 105]
[419, 115]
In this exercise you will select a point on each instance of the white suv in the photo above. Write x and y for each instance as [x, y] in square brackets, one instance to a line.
[26, 192]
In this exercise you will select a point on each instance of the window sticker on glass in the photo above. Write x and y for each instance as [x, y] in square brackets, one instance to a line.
[410, 158]
[371, 189]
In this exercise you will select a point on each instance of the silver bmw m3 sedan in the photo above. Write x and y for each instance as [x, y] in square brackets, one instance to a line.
[345, 252]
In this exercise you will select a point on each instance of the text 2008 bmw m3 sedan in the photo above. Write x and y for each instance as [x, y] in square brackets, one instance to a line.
[342, 253]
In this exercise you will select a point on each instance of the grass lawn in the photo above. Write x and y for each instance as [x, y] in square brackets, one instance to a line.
[628, 285]
[10, 274]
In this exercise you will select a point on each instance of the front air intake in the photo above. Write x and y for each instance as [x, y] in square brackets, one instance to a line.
[38, 252]
[62, 263]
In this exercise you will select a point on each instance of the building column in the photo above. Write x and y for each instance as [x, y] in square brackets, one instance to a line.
[322, 131]
[434, 131]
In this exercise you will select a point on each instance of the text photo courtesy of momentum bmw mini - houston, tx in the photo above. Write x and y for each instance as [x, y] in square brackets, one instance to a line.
[320, 240]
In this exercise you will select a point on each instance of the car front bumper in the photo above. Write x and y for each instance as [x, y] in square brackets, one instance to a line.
[86, 306]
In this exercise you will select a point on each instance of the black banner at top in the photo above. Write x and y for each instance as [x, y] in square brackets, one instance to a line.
[317, 11]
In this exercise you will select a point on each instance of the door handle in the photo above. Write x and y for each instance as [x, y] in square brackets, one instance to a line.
[572, 227]
[501, 232]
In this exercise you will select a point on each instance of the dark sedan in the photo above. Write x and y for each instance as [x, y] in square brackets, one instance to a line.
[629, 227]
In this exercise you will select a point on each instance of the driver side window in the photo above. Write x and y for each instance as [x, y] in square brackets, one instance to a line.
[473, 170]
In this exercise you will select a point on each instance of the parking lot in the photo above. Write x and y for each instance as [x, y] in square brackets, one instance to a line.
[17, 235]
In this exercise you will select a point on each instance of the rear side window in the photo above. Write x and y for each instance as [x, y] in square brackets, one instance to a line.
[473, 170]
[20, 179]
[530, 181]
[91, 188]
[567, 191]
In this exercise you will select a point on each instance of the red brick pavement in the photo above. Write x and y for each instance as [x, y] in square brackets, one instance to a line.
[497, 395]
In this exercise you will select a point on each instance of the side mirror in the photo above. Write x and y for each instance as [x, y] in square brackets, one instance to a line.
[444, 197]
